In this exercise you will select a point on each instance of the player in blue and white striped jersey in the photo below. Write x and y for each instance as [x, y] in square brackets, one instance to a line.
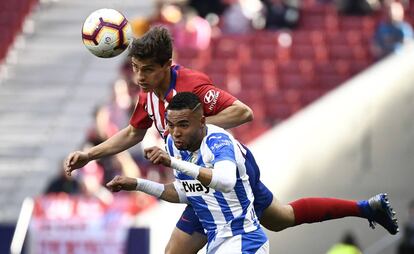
[225, 204]
[211, 171]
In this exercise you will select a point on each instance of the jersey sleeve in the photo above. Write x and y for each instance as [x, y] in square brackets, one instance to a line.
[182, 196]
[221, 147]
[140, 118]
[213, 98]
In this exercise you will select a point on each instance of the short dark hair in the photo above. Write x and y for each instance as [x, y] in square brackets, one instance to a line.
[184, 100]
[155, 44]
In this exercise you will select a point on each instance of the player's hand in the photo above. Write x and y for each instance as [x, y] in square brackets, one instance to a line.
[157, 156]
[122, 183]
[74, 161]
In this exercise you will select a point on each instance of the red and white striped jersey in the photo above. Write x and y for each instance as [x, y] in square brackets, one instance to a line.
[151, 109]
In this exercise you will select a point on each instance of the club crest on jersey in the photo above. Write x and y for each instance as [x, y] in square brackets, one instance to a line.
[194, 188]
[211, 98]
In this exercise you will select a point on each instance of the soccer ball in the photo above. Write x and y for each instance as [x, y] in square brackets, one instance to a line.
[106, 33]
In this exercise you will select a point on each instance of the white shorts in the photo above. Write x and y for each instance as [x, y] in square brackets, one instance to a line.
[254, 242]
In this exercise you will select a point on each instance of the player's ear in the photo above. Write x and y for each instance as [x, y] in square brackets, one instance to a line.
[168, 63]
[203, 121]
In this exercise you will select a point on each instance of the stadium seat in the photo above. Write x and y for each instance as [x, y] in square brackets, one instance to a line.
[332, 23]
[321, 54]
[277, 112]
[295, 81]
[341, 52]
[310, 95]
[264, 37]
[216, 66]
[347, 23]
[310, 22]
[303, 52]
[219, 79]
[328, 81]
[339, 67]
[343, 68]
[361, 53]
[187, 53]
[271, 83]
[369, 23]
[300, 37]
[337, 38]
[252, 81]
[270, 67]
[312, 7]
[306, 67]
[264, 51]
[289, 67]
[187, 62]
[225, 48]
[255, 66]
[354, 37]
[250, 95]
[358, 66]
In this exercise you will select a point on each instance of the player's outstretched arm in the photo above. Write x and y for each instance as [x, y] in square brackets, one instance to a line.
[121, 141]
[236, 114]
[167, 192]
[221, 178]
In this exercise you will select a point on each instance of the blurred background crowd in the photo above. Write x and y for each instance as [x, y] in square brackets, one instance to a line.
[277, 56]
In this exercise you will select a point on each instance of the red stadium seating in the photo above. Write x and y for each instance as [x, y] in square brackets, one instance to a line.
[12, 15]
[326, 50]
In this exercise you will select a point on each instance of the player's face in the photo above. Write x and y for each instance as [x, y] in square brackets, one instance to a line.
[148, 74]
[186, 128]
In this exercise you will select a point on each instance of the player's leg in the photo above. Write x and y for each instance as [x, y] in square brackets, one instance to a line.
[254, 242]
[183, 243]
[188, 236]
[377, 209]
[275, 216]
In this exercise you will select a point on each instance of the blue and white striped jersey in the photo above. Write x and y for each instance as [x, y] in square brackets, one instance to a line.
[221, 214]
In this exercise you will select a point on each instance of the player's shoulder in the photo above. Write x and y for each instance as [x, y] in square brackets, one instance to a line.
[191, 73]
[217, 134]
[188, 79]
[211, 128]
[142, 97]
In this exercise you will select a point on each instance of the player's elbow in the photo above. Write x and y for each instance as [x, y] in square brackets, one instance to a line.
[248, 114]
[245, 112]
[224, 176]
[135, 134]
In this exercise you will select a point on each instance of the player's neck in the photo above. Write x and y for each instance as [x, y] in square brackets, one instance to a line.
[165, 84]
[197, 144]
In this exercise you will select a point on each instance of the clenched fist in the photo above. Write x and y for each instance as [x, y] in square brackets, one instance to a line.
[122, 183]
[157, 156]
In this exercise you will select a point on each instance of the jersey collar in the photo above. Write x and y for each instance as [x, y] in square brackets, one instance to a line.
[173, 81]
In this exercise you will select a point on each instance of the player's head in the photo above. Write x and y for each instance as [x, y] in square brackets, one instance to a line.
[151, 57]
[185, 121]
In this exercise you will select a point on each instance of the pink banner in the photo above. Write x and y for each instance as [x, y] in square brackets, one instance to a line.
[63, 224]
